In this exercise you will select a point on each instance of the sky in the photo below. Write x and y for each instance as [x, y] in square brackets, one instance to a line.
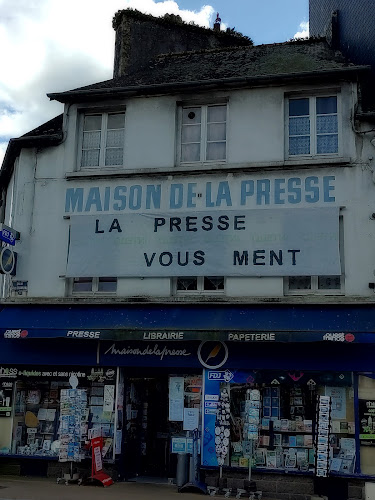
[53, 45]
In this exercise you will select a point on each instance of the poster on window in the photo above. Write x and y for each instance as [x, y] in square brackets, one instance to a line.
[176, 399]
[338, 401]
[366, 408]
[6, 398]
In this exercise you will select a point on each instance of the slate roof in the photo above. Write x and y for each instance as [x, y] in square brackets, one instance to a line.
[47, 134]
[53, 126]
[223, 66]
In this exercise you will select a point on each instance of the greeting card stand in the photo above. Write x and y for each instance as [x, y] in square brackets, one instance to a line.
[322, 436]
[73, 404]
[70, 477]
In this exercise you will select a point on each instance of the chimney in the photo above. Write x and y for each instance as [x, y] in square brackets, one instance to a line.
[217, 22]
[141, 37]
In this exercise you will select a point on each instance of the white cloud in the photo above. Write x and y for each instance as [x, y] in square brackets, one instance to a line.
[51, 46]
[304, 33]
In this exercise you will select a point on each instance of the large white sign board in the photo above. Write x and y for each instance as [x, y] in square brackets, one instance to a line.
[248, 242]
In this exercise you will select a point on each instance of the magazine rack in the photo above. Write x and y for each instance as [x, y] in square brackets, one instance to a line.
[322, 435]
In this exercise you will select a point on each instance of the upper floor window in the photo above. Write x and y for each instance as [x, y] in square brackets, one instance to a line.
[101, 285]
[313, 126]
[199, 284]
[102, 142]
[326, 285]
[203, 133]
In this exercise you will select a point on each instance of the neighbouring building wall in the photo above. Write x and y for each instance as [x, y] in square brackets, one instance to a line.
[352, 32]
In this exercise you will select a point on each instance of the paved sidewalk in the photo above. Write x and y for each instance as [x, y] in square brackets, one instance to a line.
[31, 488]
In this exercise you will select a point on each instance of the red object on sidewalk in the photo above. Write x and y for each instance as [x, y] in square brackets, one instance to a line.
[97, 463]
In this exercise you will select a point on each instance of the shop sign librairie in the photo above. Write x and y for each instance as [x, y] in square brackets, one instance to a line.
[259, 242]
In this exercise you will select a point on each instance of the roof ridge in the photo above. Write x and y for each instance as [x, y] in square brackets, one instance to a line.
[298, 41]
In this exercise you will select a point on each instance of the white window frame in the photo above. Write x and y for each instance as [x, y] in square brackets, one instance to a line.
[203, 139]
[200, 287]
[314, 290]
[313, 115]
[94, 288]
[103, 130]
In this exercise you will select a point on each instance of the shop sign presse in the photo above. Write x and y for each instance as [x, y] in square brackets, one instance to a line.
[244, 227]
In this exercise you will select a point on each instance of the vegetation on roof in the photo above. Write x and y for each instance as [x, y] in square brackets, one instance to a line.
[175, 19]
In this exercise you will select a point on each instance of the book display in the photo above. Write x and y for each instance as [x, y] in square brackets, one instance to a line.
[36, 413]
[52, 421]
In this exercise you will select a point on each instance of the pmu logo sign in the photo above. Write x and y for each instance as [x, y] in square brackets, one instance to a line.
[15, 334]
[212, 354]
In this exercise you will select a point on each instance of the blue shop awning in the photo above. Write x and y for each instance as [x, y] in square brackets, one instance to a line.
[227, 322]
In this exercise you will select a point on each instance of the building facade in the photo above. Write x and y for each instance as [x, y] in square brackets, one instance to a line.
[200, 225]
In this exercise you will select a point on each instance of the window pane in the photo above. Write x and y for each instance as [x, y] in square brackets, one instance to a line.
[299, 283]
[115, 138]
[191, 115]
[216, 132]
[213, 283]
[91, 140]
[327, 144]
[107, 285]
[298, 107]
[92, 122]
[326, 105]
[299, 145]
[329, 282]
[326, 124]
[187, 283]
[216, 151]
[114, 156]
[116, 120]
[190, 152]
[216, 113]
[299, 126]
[82, 284]
[191, 133]
[90, 158]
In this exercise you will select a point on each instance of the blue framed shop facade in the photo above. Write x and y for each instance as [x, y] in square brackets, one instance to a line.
[300, 350]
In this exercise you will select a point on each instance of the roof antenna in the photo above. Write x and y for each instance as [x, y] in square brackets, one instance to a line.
[217, 22]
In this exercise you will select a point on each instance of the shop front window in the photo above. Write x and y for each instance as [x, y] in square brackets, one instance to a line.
[45, 405]
[366, 409]
[273, 421]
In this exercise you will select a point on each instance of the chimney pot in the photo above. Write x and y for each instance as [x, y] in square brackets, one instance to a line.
[217, 22]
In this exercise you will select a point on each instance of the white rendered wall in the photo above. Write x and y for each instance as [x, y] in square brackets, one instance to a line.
[255, 135]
